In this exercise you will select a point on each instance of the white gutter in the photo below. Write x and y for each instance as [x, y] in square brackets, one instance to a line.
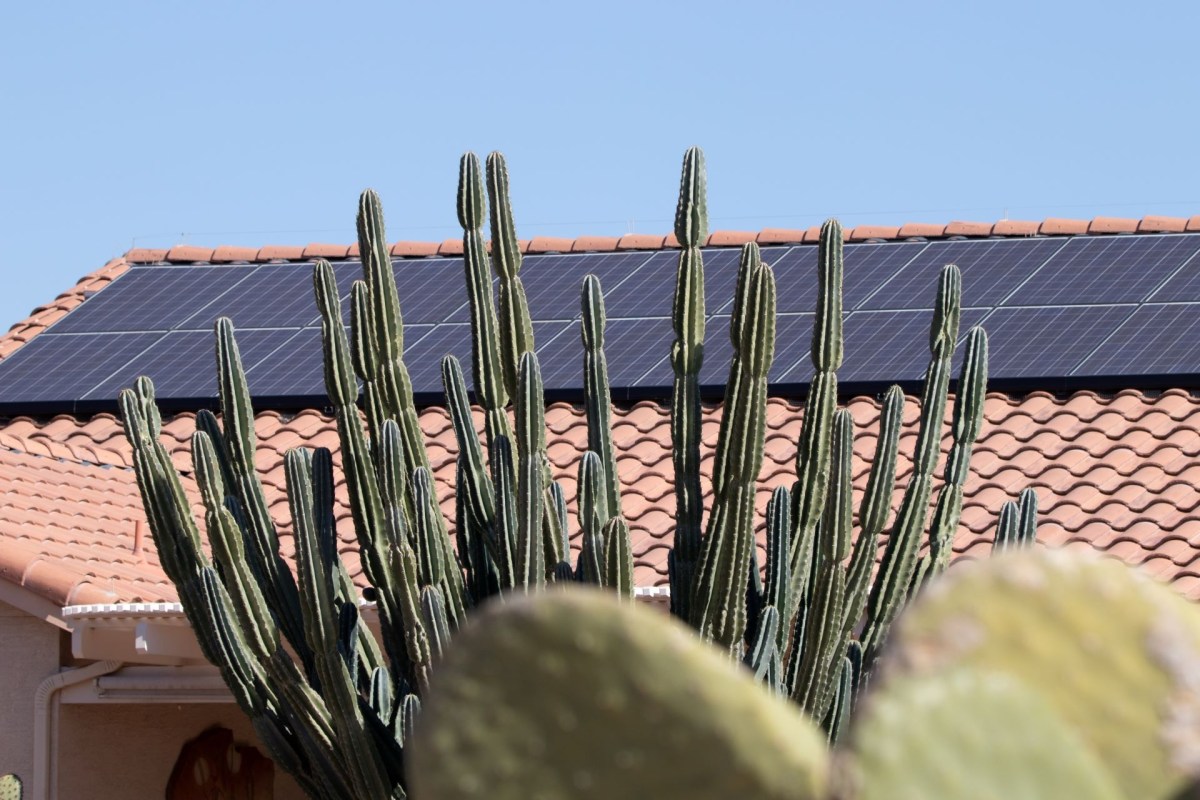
[45, 720]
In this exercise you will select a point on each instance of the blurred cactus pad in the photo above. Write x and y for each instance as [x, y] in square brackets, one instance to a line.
[10, 787]
[1036, 675]
[337, 702]
[569, 694]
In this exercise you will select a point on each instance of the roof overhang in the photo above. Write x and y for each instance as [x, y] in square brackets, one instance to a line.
[159, 633]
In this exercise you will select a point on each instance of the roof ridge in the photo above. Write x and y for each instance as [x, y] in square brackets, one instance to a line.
[1051, 226]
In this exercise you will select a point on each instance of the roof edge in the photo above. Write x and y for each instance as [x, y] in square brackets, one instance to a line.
[910, 231]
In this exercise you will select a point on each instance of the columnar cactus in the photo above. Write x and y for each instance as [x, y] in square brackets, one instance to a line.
[334, 707]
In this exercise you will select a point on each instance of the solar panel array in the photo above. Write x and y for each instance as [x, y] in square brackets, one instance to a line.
[1105, 310]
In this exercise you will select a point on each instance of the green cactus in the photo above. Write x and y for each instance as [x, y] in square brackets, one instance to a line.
[1112, 653]
[333, 705]
[718, 602]
[687, 355]
[629, 703]
[969, 734]
[10, 787]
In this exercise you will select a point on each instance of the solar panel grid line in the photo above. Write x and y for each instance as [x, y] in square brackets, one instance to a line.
[898, 270]
[1013, 291]
[1184, 267]
[110, 309]
[1153, 340]
[122, 366]
[988, 266]
[78, 365]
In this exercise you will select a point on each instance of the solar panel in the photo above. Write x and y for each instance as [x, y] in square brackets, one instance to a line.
[650, 291]
[990, 271]
[272, 296]
[152, 299]
[1047, 342]
[793, 333]
[1105, 269]
[866, 266]
[1055, 309]
[893, 346]
[1154, 340]
[295, 370]
[183, 364]
[61, 369]
[553, 284]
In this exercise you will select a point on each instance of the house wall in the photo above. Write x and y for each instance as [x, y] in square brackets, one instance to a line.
[29, 652]
[121, 751]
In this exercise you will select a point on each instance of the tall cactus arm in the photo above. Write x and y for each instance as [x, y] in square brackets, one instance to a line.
[900, 558]
[812, 455]
[968, 420]
[1027, 507]
[486, 365]
[479, 495]
[516, 328]
[687, 355]
[718, 607]
[597, 400]
[364, 352]
[378, 532]
[338, 685]
[241, 442]
[876, 503]
[618, 558]
[531, 445]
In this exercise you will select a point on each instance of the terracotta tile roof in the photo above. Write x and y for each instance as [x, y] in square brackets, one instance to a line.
[1119, 473]
[645, 241]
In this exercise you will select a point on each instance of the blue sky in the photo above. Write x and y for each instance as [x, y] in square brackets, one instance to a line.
[148, 124]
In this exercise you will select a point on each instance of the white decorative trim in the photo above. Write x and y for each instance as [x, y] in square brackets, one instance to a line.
[100, 611]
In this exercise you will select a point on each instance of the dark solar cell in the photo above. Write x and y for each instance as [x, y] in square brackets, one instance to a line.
[1184, 285]
[894, 345]
[651, 290]
[866, 267]
[793, 332]
[991, 269]
[720, 276]
[431, 290]
[296, 369]
[553, 284]
[183, 364]
[152, 299]
[1155, 340]
[635, 350]
[424, 348]
[1105, 269]
[58, 368]
[1047, 341]
[274, 296]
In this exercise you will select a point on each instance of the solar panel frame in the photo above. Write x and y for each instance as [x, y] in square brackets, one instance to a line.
[1033, 345]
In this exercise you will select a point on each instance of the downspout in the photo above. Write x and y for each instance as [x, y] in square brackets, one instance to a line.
[45, 783]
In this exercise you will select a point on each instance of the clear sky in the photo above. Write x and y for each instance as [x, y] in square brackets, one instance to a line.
[149, 124]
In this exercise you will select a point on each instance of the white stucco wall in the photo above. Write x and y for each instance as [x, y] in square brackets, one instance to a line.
[29, 649]
[123, 751]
